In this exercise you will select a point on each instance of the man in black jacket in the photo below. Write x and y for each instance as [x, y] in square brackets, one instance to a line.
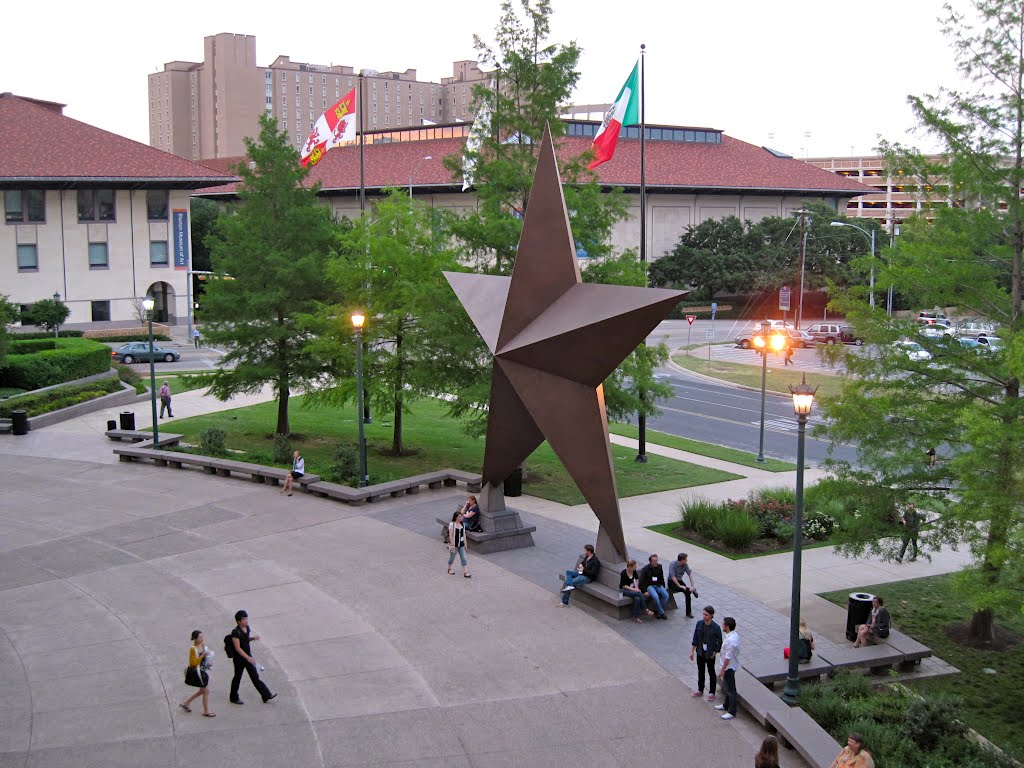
[244, 662]
[586, 570]
[652, 581]
[706, 643]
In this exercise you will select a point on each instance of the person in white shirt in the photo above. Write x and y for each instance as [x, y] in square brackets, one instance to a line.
[730, 663]
[298, 470]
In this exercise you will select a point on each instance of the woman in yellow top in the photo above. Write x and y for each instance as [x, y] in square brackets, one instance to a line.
[854, 755]
[196, 674]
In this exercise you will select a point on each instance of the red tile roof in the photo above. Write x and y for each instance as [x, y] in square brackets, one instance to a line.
[84, 154]
[733, 165]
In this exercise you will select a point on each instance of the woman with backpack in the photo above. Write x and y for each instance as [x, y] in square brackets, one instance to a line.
[197, 673]
[457, 543]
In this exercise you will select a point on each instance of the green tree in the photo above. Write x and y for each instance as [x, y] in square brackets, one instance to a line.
[269, 255]
[204, 218]
[8, 314]
[964, 404]
[390, 265]
[715, 255]
[49, 313]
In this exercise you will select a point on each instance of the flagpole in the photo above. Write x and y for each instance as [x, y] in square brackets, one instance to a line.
[642, 419]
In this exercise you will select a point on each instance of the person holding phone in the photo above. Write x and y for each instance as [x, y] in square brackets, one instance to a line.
[587, 569]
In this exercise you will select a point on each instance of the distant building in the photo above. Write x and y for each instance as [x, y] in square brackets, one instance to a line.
[693, 174]
[98, 218]
[204, 110]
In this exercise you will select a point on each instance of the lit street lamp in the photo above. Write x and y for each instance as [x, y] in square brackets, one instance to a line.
[56, 328]
[358, 318]
[148, 304]
[416, 168]
[803, 400]
[764, 344]
[870, 234]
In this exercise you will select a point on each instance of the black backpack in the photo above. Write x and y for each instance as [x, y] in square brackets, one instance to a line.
[229, 645]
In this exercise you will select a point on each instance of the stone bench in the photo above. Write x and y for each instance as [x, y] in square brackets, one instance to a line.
[879, 658]
[799, 730]
[338, 492]
[135, 436]
[756, 698]
[771, 671]
[912, 650]
[609, 600]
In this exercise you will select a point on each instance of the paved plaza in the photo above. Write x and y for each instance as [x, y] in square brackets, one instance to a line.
[378, 656]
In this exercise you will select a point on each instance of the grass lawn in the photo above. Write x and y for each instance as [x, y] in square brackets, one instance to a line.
[703, 449]
[178, 382]
[922, 608]
[11, 391]
[435, 442]
[778, 379]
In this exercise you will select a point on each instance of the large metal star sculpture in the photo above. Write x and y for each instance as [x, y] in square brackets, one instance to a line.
[554, 340]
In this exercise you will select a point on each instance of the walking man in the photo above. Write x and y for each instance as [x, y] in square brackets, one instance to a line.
[707, 642]
[652, 581]
[244, 662]
[587, 569]
[911, 522]
[730, 663]
[195, 337]
[677, 570]
[165, 400]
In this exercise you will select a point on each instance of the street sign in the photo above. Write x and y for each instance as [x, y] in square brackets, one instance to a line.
[690, 319]
[714, 309]
[709, 334]
[784, 299]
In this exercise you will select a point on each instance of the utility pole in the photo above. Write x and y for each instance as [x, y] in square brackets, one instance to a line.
[803, 260]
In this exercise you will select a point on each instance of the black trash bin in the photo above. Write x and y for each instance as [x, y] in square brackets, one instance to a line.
[19, 422]
[127, 420]
[514, 483]
[111, 425]
[857, 612]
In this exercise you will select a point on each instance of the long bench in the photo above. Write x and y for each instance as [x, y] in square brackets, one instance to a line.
[800, 731]
[135, 436]
[611, 601]
[879, 658]
[756, 698]
[771, 671]
[912, 650]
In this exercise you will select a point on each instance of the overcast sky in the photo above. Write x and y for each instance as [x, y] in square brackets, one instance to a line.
[764, 71]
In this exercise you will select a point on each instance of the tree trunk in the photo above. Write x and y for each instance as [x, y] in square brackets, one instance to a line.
[396, 439]
[983, 625]
[283, 393]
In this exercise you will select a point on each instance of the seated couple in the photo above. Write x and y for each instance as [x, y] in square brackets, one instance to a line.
[649, 582]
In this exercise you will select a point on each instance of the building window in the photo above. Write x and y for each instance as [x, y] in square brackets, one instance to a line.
[28, 258]
[325, 103]
[156, 204]
[268, 74]
[96, 205]
[28, 205]
[311, 90]
[298, 89]
[323, 80]
[98, 258]
[100, 311]
[158, 253]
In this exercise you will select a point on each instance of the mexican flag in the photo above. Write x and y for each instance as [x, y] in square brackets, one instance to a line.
[625, 111]
[336, 125]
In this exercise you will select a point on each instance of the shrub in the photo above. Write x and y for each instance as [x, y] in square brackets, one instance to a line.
[59, 397]
[126, 374]
[29, 346]
[346, 463]
[116, 338]
[818, 525]
[699, 516]
[736, 528]
[72, 359]
[282, 451]
[213, 441]
[48, 335]
[932, 720]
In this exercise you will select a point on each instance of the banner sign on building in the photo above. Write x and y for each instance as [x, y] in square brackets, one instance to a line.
[181, 240]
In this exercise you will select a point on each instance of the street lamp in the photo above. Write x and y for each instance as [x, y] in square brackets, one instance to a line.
[803, 400]
[764, 344]
[416, 168]
[56, 300]
[358, 318]
[148, 304]
[870, 234]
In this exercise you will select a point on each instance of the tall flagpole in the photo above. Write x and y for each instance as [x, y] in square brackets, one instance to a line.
[641, 455]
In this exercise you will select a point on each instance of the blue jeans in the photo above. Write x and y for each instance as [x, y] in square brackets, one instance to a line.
[573, 579]
[462, 556]
[639, 601]
[660, 597]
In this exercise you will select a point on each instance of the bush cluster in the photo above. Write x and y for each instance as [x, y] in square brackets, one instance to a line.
[899, 727]
[346, 464]
[133, 337]
[72, 359]
[47, 335]
[59, 397]
[764, 514]
[213, 441]
[283, 451]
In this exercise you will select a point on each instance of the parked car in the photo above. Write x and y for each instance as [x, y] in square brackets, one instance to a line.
[991, 343]
[834, 333]
[746, 339]
[913, 350]
[138, 351]
[798, 339]
[929, 317]
[970, 344]
[975, 330]
[937, 331]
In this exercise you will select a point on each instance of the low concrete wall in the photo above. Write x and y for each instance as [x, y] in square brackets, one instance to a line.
[126, 396]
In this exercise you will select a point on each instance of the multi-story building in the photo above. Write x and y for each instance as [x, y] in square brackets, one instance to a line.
[96, 218]
[204, 110]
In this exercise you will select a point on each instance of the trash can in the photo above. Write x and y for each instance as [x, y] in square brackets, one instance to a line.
[111, 425]
[19, 422]
[857, 612]
[127, 420]
[514, 483]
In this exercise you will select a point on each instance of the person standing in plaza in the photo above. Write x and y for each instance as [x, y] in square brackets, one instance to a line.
[706, 643]
[457, 543]
[677, 571]
[911, 522]
[197, 674]
[587, 569]
[165, 400]
[244, 662]
[730, 663]
[652, 581]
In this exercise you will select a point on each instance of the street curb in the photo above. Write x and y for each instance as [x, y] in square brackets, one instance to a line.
[674, 365]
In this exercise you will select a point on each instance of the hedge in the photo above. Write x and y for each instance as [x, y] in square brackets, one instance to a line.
[45, 335]
[73, 359]
[59, 397]
[134, 337]
[30, 346]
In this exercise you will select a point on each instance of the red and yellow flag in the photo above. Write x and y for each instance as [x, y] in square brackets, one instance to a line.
[336, 125]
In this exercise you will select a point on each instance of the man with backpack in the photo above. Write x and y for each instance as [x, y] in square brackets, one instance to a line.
[236, 646]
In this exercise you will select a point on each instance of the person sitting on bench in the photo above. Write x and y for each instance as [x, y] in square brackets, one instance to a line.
[471, 514]
[586, 570]
[677, 570]
[877, 626]
[652, 581]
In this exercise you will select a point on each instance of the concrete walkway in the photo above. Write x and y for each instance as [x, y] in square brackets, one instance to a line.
[379, 657]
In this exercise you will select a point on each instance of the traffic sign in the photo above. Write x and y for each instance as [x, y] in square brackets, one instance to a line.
[690, 319]
[709, 334]
[784, 299]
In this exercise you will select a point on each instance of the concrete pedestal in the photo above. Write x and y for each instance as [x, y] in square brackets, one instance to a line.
[503, 528]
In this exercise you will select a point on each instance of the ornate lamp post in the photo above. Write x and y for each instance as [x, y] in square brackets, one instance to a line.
[358, 318]
[148, 304]
[803, 400]
[764, 344]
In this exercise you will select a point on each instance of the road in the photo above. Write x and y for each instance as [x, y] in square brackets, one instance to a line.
[192, 359]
